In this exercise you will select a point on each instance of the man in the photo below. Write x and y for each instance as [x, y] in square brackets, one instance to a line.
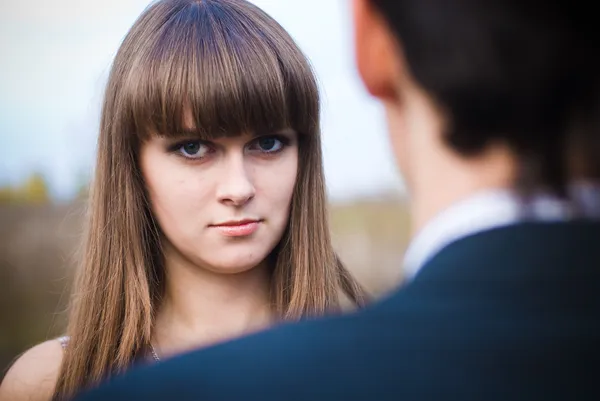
[491, 111]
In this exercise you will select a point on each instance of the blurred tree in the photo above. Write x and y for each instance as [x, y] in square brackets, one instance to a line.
[7, 195]
[35, 190]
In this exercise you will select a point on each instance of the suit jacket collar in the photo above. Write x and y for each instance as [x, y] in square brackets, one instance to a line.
[494, 209]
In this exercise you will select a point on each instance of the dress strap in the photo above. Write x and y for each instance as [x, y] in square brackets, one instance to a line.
[64, 341]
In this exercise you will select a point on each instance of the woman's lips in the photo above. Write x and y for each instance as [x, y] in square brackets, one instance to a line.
[237, 228]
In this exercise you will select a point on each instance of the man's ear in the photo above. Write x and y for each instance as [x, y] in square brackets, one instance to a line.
[377, 53]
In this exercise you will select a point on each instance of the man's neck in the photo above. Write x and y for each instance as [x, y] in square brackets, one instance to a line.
[447, 180]
[437, 176]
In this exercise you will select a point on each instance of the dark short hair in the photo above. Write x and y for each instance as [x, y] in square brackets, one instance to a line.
[517, 71]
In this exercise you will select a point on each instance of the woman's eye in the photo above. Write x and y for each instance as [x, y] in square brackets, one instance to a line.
[268, 144]
[193, 150]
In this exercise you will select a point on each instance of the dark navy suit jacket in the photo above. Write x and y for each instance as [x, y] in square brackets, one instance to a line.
[511, 313]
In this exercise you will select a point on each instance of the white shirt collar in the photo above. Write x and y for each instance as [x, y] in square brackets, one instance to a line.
[487, 210]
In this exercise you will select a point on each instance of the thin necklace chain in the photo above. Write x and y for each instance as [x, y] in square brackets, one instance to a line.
[154, 354]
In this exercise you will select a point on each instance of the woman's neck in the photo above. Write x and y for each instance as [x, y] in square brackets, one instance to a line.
[200, 307]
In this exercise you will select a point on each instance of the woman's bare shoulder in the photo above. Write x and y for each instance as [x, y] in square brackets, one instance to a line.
[34, 374]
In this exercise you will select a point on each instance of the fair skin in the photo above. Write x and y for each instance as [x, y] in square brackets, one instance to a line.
[436, 177]
[217, 279]
[222, 206]
[34, 375]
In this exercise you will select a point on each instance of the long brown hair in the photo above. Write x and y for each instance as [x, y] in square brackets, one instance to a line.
[236, 70]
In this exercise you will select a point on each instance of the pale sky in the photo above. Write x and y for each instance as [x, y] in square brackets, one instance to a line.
[54, 60]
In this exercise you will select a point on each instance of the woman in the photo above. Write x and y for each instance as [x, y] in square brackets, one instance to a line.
[208, 210]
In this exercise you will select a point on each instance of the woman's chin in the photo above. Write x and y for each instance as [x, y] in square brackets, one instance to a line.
[234, 266]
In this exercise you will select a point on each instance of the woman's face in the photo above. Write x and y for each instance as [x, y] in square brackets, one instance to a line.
[224, 204]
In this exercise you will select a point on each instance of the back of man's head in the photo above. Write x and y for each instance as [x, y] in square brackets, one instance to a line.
[521, 72]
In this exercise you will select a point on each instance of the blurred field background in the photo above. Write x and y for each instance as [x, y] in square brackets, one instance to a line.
[39, 241]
